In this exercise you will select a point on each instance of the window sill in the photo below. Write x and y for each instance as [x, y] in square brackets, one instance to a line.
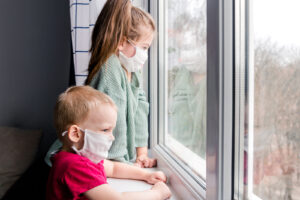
[125, 185]
[180, 181]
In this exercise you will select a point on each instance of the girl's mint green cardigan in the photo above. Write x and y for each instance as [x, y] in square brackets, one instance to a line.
[132, 124]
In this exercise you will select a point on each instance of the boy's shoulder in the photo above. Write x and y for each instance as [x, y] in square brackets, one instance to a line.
[77, 172]
[64, 158]
[66, 164]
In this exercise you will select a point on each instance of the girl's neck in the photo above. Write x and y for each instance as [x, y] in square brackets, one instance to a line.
[128, 74]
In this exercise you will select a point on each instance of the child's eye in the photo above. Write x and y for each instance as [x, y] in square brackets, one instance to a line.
[105, 130]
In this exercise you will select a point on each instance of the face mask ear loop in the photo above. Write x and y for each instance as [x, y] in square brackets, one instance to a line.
[134, 46]
[64, 133]
[130, 42]
[81, 129]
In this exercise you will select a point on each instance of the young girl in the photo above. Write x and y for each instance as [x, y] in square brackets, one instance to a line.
[120, 40]
[121, 37]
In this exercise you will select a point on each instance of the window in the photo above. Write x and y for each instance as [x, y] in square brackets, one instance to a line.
[140, 3]
[252, 90]
[187, 86]
[185, 62]
[272, 139]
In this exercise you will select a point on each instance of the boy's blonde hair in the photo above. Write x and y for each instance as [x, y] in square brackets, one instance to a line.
[73, 106]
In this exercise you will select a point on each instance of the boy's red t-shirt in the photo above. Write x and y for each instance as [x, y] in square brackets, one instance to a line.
[71, 175]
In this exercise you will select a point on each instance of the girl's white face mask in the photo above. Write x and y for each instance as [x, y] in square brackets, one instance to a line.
[135, 63]
[95, 145]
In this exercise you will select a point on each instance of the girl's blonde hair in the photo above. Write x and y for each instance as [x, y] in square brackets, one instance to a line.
[73, 106]
[117, 20]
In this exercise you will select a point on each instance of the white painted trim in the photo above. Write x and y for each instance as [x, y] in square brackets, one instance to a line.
[183, 183]
[252, 196]
[250, 99]
[194, 161]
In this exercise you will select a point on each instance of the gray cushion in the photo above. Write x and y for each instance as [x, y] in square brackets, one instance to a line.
[18, 148]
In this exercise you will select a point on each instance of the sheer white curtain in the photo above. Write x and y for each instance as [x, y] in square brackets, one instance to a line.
[84, 14]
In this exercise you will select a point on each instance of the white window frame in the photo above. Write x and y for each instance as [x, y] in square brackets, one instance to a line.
[240, 97]
[244, 98]
[218, 183]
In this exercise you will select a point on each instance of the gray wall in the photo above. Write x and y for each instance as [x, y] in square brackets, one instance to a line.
[35, 57]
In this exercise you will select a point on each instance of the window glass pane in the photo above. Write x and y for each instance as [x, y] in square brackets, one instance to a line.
[143, 4]
[140, 3]
[186, 81]
[276, 122]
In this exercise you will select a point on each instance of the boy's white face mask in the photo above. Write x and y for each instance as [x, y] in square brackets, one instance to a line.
[135, 63]
[95, 145]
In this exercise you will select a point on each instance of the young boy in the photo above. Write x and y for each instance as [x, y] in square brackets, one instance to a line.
[85, 119]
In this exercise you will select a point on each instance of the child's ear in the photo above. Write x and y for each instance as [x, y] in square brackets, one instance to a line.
[74, 133]
[122, 44]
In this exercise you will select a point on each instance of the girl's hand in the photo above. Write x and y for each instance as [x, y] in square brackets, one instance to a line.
[154, 177]
[144, 161]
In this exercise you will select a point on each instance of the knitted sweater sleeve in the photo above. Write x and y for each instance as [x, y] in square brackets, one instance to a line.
[141, 118]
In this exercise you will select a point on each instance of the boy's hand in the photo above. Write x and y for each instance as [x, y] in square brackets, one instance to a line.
[162, 190]
[154, 177]
[144, 161]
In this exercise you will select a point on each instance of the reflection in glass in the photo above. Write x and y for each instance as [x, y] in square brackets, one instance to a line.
[186, 57]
